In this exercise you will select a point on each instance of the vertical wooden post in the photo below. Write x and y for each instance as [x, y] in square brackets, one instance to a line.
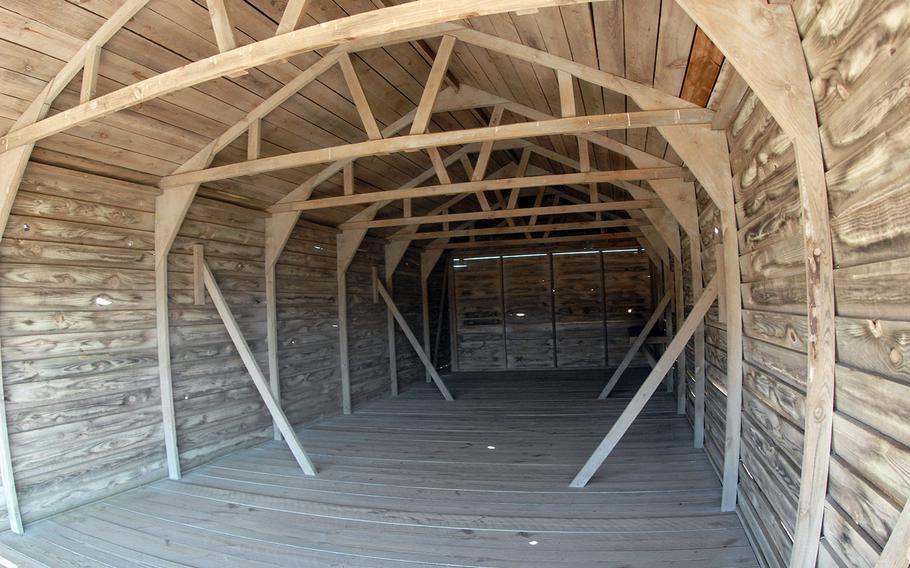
[426, 268]
[344, 364]
[734, 321]
[668, 317]
[6, 468]
[390, 331]
[681, 380]
[271, 312]
[698, 401]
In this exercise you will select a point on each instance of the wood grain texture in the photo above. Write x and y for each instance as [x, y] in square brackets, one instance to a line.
[440, 494]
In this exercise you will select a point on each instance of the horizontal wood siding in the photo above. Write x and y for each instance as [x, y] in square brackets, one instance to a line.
[865, 130]
[539, 310]
[308, 325]
[78, 325]
[856, 52]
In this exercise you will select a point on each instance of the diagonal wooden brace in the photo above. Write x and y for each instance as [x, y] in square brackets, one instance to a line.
[412, 339]
[262, 385]
[636, 345]
[686, 330]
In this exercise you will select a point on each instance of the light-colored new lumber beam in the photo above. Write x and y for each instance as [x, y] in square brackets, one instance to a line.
[439, 167]
[636, 345]
[641, 398]
[221, 25]
[448, 100]
[359, 97]
[90, 74]
[421, 354]
[290, 18]
[479, 186]
[374, 29]
[896, 552]
[254, 140]
[284, 222]
[259, 381]
[566, 93]
[539, 241]
[593, 123]
[579, 225]
[741, 29]
[434, 82]
[486, 148]
[503, 214]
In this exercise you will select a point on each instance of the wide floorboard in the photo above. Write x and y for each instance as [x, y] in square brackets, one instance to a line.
[417, 481]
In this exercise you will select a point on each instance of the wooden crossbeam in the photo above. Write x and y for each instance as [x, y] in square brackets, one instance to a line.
[360, 98]
[478, 186]
[221, 25]
[448, 100]
[290, 18]
[580, 225]
[252, 367]
[641, 398]
[616, 121]
[503, 214]
[412, 339]
[379, 27]
[434, 82]
[254, 140]
[633, 349]
[90, 74]
[539, 241]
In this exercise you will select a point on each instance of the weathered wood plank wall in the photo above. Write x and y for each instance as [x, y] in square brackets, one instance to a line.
[857, 53]
[78, 325]
[539, 310]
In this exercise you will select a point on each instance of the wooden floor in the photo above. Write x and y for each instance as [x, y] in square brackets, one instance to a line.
[416, 481]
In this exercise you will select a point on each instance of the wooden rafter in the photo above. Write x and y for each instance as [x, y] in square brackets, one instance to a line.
[221, 24]
[422, 18]
[594, 123]
[360, 98]
[290, 18]
[431, 89]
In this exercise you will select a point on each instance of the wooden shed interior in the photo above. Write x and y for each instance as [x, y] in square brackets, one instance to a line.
[500, 283]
